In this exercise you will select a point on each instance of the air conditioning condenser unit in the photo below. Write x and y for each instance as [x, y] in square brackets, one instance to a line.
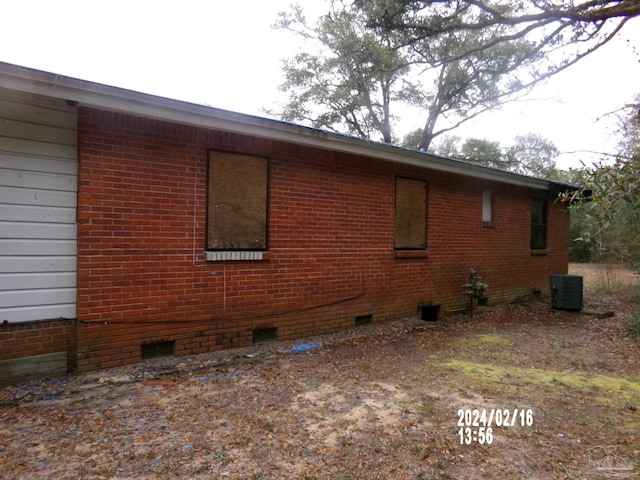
[566, 292]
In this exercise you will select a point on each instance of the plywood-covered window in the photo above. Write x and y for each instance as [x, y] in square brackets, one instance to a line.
[237, 202]
[411, 214]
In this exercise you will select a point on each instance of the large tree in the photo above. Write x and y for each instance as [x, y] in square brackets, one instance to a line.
[352, 78]
[617, 195]
[452, 59]
[535, 38]
[552, 25]
[358, 75]
[530, 154]
[533, 155]
[611, 223]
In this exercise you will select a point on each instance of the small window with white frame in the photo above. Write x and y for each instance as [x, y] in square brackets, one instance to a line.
[487, 208]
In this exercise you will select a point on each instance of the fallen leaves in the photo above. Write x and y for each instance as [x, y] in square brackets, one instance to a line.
[374, 402]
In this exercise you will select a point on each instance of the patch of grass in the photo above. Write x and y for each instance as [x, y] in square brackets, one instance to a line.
[622, 389]
[486, 346]
[443, 466]
[498, 356]
[485, 341]
[633, 427]
[418, 448]
[604, 402]
[427, 403]
[605, 278]
[395, 445]
[495, 340]
[609, 279]
[342, 441]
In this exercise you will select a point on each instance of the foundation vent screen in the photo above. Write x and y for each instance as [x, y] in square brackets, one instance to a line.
[158, 349]
[430, 313]
[363, 320]
[265, 335]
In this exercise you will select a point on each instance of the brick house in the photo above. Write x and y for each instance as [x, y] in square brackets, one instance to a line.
[134, 225]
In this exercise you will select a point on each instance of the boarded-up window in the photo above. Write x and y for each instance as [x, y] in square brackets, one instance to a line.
[411, 214]
[237, 202]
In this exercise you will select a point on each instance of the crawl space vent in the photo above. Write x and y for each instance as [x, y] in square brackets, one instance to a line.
[363, 320]
[265, 335]
[429, 313]
[158, 349]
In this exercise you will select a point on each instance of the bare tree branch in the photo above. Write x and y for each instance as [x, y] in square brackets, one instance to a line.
[455, 59]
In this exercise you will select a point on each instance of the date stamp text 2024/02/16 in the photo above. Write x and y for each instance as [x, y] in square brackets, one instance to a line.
[476, 426]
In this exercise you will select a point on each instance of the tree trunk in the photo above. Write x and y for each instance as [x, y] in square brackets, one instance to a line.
[427, 132]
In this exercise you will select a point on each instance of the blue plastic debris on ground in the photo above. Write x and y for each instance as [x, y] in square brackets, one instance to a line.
[304, 347]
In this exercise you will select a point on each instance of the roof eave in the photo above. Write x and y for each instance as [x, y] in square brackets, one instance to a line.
[115, 99]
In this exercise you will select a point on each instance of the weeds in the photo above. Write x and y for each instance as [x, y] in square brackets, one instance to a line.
[425, 409]
[634, 326]
[342, 441]
[224, 458]
[607, 278]
[418, 448]
[443, 466]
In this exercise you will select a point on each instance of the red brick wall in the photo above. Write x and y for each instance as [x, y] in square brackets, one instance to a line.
[19, 340]
[143, 275]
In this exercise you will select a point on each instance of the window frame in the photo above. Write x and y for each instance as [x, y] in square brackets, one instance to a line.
[541, 226]
[403, 235]
[488, 208]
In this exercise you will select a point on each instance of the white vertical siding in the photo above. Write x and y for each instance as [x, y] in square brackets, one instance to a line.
[38, 197]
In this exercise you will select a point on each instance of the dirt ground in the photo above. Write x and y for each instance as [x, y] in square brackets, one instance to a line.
[378, 402]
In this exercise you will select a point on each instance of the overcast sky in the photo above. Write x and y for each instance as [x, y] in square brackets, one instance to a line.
[226, 55]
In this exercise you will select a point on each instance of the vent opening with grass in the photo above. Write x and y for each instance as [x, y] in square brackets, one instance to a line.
[363, 320]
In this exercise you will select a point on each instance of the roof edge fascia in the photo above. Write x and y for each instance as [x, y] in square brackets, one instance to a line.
[100, 96]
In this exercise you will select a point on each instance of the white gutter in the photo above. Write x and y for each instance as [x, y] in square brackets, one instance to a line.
[114, 99]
